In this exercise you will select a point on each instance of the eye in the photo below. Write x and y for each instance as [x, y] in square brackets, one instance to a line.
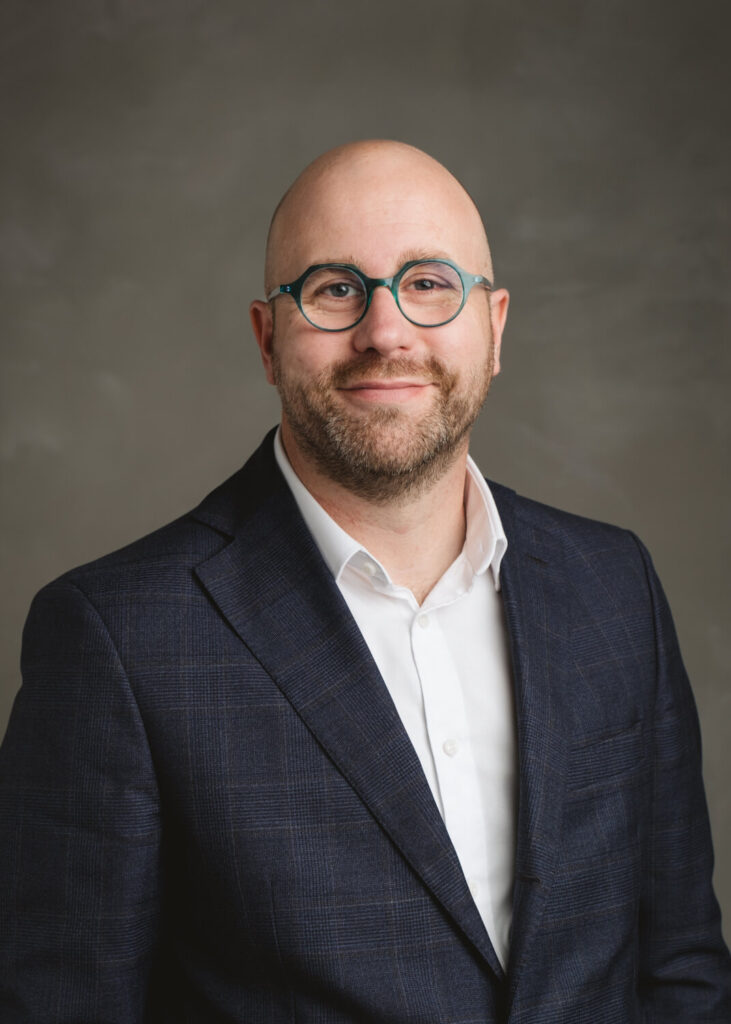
[330, 290]
[339, 289]
[427, 284]
[430, 279]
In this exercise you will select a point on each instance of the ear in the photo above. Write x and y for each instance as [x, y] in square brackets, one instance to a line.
[499, 302]
[262, 322]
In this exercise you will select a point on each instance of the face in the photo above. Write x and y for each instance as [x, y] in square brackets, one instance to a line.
[384, 407]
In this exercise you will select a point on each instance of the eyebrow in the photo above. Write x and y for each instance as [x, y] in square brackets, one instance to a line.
[408, 256]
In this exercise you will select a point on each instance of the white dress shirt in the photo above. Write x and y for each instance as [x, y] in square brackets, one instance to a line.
[447, 668]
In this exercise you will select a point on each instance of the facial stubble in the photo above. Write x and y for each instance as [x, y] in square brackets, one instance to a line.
[384, 453]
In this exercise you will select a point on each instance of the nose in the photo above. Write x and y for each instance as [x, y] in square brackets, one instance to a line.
[384, 327]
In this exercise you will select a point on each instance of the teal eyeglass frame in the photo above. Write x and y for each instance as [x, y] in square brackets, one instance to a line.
[371, 283]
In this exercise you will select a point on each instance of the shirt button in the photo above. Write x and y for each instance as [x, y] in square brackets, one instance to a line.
[423, 620]
[369, 569]
[450, 747]
[473, 887]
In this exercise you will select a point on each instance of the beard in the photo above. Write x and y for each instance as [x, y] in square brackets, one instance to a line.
[385, 452]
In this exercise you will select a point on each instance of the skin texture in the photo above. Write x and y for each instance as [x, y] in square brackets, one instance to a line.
[376, 419]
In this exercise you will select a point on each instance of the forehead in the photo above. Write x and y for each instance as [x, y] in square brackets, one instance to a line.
[378, 214]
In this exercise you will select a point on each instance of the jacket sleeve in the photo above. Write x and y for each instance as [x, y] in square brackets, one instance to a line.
[685, 970]
[79, 828]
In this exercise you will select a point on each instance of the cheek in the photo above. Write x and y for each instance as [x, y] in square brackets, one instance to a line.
[479, 347]
[469, 352]
[302, 356]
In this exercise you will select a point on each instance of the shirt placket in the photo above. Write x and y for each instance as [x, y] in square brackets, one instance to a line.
[448, 732]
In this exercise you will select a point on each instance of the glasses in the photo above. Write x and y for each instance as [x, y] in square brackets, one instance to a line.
[336, 296]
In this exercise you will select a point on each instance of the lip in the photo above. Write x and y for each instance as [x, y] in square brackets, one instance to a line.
[387, 390]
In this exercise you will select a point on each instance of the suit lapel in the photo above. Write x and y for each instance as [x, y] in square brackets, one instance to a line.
[538, 612]
[273, 587]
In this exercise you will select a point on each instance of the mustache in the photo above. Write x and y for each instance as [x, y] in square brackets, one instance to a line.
[372, 366]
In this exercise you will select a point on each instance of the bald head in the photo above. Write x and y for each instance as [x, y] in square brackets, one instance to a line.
[370, 203]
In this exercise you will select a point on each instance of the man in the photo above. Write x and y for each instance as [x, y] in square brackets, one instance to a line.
[361, 739]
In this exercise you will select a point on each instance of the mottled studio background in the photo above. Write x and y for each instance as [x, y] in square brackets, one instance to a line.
[144, 145]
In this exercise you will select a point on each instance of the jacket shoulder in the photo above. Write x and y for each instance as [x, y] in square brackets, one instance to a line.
[606, 566]
[578, 531]
[169, 554]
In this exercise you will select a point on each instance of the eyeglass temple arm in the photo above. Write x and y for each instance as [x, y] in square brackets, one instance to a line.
[484, 281]
[282, 289]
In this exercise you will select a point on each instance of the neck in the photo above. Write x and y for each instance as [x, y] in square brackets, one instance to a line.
[415, 536]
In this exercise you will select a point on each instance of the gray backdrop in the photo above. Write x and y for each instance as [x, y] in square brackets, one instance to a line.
[145, 143]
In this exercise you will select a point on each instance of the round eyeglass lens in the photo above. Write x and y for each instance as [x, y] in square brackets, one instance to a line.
[333, 298]
[430, 293]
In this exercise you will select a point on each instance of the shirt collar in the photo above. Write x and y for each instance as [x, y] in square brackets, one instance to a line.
[485, 541]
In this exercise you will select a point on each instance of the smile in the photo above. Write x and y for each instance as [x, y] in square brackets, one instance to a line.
[387, 390]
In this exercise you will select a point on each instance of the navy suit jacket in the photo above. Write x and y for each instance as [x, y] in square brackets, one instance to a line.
[211, 812]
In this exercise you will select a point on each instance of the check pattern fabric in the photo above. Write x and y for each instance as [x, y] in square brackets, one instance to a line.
[210, 811]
